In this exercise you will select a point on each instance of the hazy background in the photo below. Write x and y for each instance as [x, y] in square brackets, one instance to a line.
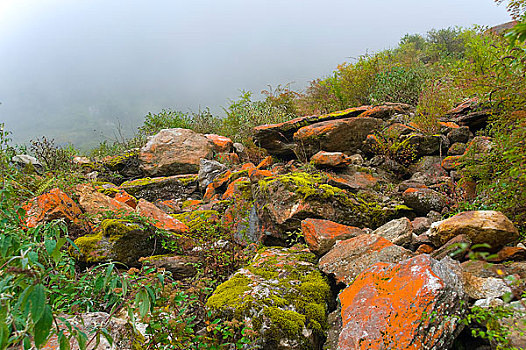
[74, 70]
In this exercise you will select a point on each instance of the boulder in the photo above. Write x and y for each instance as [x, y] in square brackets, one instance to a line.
[122, 241]
[414, 304]
[178, 187]
[342, 135]
[220, 144]
[457, 149]
[24, 162]
[348, 258]
[277, 139]
[482, 227]
[54, 205]
[95, 203]
[426, 145]
[208, 171]
[174, 151]
[160, 218]
[460, 134]
[284, 201]
[282, 295]
[126, 164]
[399, 231]
[320, 235]
[353, 181]
[430, 166]
[423, 200]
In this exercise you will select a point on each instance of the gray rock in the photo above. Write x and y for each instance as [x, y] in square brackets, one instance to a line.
[21, 161]
[208, 171]
[399, 231]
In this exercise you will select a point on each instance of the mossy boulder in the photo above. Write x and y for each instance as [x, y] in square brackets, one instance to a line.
[282, 294]
[126, 164]
[284, 201]
[181, 187]
[118, 240]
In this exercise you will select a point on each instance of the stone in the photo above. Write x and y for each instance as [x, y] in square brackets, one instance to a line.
[126, 164]
[460, 134]
[414, 304]
[220, 144]
[24, 161]
[423, 200]
[426, 145]
[227, 158]
[482, 227]
[161, 219]
[55, 205]
[457, 149]
[430, 166]
[348, 258]
[509, 254]
[456, 248]
[284, 201]
[480, 145]
[353, 181]
[282, 295]
[95, 203]
[178, 187]
[265, 163]
[180, 267]
[174, 151]
[324, 159]
[277, 139]
[452, 162]
[342, 135]
[484, 287]
[420, 225]
[398, 231]
[117, 240]
[321, 235]
[475, 120]
[208, 171]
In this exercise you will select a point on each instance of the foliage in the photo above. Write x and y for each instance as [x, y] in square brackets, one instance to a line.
[399, 84]
[53, 158]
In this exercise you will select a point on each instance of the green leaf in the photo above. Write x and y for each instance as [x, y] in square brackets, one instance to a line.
[43, 326]
[82, 340]
[50, 245]
[63, 341]
[38, 302]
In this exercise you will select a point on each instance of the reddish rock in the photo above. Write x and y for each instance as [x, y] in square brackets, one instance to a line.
[221, 144]
[95, 203]
[233, 190]
[227, 158]
[348, 258]
[430, 166]
[484, 226]
[209, 193]
[387, 111]
[415, 304]
[277, 138]
[320, 235]
[330, 159]
[123, 197]
[509, 254]
[256, 174]
[343, 135]
[424, 249]
[451, 162]
[162, 220]
[480, 145]
[354, 182]
[423, 200]
[265, 163]
[174, 151]
[169, 206]
[420, 225]
[247, 166]
[54, 205]
[456, 248]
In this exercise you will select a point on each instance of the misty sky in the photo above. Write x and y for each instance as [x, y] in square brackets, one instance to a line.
[74, 69]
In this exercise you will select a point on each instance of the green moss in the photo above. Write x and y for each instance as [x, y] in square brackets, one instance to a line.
[121, 159]
[229, 295]
[140, 182]
[89, 245]
[198, 219]
[186, 180]
[115, 229]
[282, 321]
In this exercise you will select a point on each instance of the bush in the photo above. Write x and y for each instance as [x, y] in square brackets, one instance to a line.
[399, 84]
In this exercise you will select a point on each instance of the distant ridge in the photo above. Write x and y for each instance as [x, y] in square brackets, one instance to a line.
[501, 28]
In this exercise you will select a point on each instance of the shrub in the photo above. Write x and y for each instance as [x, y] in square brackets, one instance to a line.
[399, 84]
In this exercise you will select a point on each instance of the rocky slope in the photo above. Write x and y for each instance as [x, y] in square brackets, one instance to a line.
[345, 213]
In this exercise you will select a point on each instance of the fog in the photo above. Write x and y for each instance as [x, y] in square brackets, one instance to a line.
[78, 70]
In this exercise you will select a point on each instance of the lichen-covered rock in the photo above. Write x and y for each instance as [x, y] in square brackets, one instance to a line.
[415, 304]
[423, 200]
[484, 226]
[180, 187]
[282, 202]
[451, 162]
[457, 149]
[179, 266]
[348, 258]
[282, 295]
[353, 181]
[160, 218]
[174, 151]
[342, 135]
[126, 164]
[118, 240]
[324, 159]
[430, 166]
[54, 205]
[426, 145]
[399, 231]
[277, 139]
[460, 134]
[95, 203]
[220, 144]
[320, 235]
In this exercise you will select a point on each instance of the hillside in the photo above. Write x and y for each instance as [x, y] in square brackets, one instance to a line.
[383, 208]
